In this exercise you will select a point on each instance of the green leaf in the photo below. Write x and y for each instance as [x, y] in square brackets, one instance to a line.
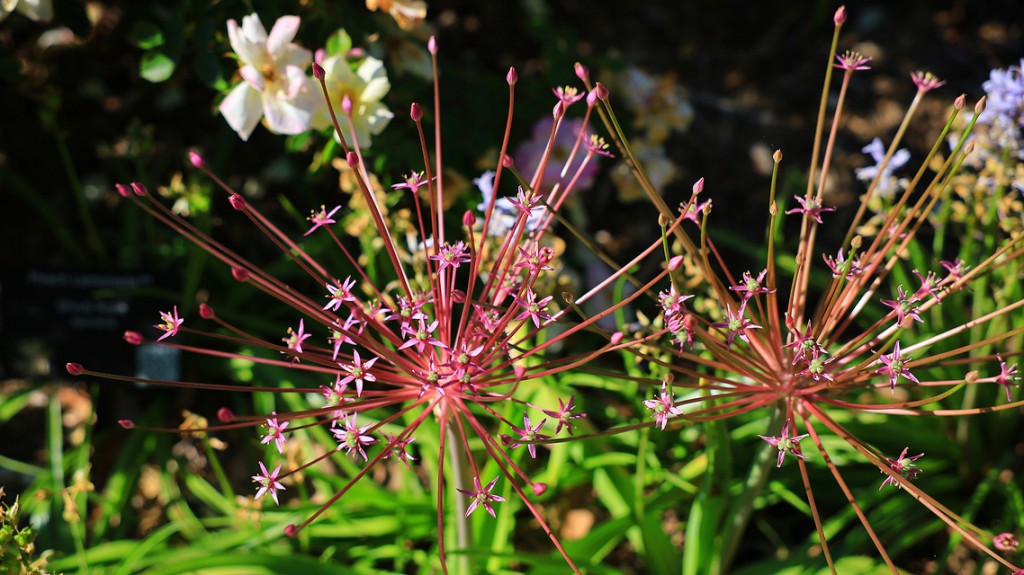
[156, 66]
[147, 35]
[339, 43]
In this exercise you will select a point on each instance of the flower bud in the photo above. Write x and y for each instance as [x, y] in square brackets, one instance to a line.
[507, 161]
[318, 71]
[960, 101]
[777, 156]
[592, 97]
[616, 338]
[458, 296]
[240, 274]
[980, 106]
[519, 371]
[132, 337]
[969, 147]
[468, 219]
[292, 530]
[432, 45]
[581, 71]
[205, 311]
[539, 488]
[346, 105]
[415, 112]
[139, 189]
[126, 423]
[74, 368]
[558, 111]
[225, 415]
[568, 298]
[698, 186]
[512, 77]
[840, 16]
[353, 160]
[195, 159]
[237, 202]
[602, 91]
[675, 263]
[122, 189]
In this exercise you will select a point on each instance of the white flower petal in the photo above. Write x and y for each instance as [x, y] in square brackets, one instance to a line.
[293, 55]
[282, 33]
[375, 90]
[252, 77]
[242, 109]
[253, 29]
[249, 52]
[283, 117]
[371, 68]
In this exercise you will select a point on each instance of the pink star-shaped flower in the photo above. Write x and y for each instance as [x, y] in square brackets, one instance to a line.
[810, 207]
[275, 433]
[351, 437]
[268, 482]
[1007, 376]
[170, 325]
[663, 406]
[786, 444]
[481, 496]
[903, 466]
[321, 218]
[895, 366]
[530, 434]
[295, 339]
[358, 371]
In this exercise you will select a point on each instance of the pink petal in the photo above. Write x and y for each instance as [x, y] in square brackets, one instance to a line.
[242, 110]
[283, 117]
[250, 51]
[252, 77]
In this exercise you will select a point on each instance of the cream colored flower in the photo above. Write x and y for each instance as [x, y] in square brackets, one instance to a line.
[407, 13]
[365, 87]
[274, 82]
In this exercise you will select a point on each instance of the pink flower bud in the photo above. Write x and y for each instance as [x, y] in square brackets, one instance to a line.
[126, 423]
[132, 337]
[346, 105]
[458, 296]
[1006, 542]
[468, 218]
[507, 161]
[415, 112]
[512, 77]
[353, 159]
[675, 263]
[291, 530]
[240, 274]
[539, 488]
[602, 91]
[592, 97]
[698, 186]
[318, 71]
[581, 71]
[617, 338]
[74, 368]
[225, 415]
[960, 102]
[205, 311]
[195, 159]
[122, 189]
[519, 370]
[558, 111]
[139, 189]
[980, 106]
[237, 202]
[432, 45]
[840, 16]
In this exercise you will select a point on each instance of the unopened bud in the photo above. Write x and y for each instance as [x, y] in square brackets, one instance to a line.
[195, 159]
[602, 91]
[558, 111]
[969, 147]
[468, 219]
[346, 105]
[568, 298]
[856, 242]
[353, 159]
[237, 202]
[126, 423]
[592, 97]
[581, 71]
[432, 45]
[225, 415]
[519, 371]
[773, 208]
[840, 16]
[539, 488]
[960, 102]
[74, 368]
[139, 189]
[123, 190]
[777, 156]
[616, 338]
[512, 77]
[240, 274]
[132, 337]
[698, 186]
[318, 71]
[205, 311]
[971, 376]
[507, 161]
[415, 112]
[675, 263]
[662, 220]
[458, 296]
[980, 106]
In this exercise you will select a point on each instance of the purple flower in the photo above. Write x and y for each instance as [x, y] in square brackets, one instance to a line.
[481, 496]
[295, 339]
[268, 482]
[663, 406]
[532, 308]
[170, 325]
[810, 207]
[903, 306]
[340, 294]
[735, 324]
[895, 366]
[887, 183]
[750, 286]
[351, 437]
[358, 372]
[321, 218]
[275, 432]
[564, 415]
[530, 434]
[529, 154]
[903, 466]
[838, 264]
[1007, 376]
[851, 61]
[786, 444]
[451, 255]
